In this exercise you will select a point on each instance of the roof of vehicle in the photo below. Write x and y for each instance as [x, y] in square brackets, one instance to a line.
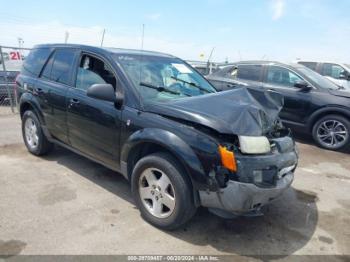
[266, 62]
[313, 61]
[259, 62]
[324, 62]
[105, 49]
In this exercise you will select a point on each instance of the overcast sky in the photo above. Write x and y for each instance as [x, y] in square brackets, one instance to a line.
[248, 29]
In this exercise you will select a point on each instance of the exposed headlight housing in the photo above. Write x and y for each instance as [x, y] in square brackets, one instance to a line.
[254, 144]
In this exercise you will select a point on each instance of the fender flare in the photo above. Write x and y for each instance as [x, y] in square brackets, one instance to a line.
[28, 98]
[334, 109]
[172, 143]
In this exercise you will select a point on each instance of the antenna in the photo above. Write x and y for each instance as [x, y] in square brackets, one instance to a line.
[103, 36]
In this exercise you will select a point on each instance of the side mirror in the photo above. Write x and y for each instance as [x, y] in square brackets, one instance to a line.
[102, 92]
[303, 85]
[344, 76]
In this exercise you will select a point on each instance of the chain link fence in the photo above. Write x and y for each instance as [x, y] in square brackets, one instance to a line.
[11, 60]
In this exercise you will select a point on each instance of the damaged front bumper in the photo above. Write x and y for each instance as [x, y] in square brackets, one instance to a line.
[240, 198]
[276, 173]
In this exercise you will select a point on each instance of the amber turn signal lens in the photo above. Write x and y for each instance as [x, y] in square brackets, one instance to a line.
[228, 159]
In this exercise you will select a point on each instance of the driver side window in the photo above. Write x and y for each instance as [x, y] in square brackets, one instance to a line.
[93, 71]
[332, 70]
[281, 76]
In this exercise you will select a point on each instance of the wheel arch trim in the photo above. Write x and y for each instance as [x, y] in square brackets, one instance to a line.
[28, 99]
[329, 110]
[171, 143]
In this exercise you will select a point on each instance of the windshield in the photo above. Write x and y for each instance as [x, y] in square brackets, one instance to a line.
[317, 79]
[162, 78]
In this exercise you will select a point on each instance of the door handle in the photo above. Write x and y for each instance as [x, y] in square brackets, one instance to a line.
[271, 90]
[38, 91]
[73, 101]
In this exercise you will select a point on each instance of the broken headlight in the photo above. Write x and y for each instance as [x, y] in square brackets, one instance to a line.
[254, 144]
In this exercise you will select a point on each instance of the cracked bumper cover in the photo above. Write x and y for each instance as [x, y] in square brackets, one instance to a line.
[239, 197]
[244, 196]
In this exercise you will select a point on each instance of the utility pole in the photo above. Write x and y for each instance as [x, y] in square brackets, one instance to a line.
[143, 35]
[66, 36]
[209, 64]
[103, 36]
[20, 42]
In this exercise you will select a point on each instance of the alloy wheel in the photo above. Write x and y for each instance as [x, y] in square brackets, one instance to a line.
[31, 133]
[157, 192]
[332, 133]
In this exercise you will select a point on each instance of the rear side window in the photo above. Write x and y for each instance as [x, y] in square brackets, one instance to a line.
[46, 74]
[62, 66]
[249, 72]
[35, 61]
[311, 65]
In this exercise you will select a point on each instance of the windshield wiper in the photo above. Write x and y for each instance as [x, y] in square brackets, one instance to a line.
[162, 89]
[191, 84]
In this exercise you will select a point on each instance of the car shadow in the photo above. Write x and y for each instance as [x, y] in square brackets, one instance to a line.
[287, 225]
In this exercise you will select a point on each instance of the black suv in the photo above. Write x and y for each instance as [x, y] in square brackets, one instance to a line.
[154, 119]
[312, 103]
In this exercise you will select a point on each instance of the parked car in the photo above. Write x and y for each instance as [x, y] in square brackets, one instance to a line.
[336, 72]
[312, 103]
[7, 83]
[5, 56]
[205, 68]
[154, 119]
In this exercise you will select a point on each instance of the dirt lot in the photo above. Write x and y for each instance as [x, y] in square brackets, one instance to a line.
[66, 204]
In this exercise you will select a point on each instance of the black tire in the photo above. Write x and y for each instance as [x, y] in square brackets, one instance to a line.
[317, 132]
[43, 145]
[184, 204]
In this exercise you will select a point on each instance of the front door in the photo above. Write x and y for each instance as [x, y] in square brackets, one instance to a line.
[296, 102]
[93, 125]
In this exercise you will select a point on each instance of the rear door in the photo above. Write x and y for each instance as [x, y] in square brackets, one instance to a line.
[296, 102]
[93, 125]
[251, 74]
[51, 88]
[234, 76]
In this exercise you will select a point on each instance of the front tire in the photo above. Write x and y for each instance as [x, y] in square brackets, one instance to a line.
[33, 135]
[332, 132]
[162, 191]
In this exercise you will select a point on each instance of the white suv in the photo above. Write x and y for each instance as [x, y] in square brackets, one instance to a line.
[338, 73]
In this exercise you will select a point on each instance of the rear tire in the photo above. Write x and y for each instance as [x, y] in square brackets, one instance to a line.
[332, 132]
[33, 136]
[154, 200]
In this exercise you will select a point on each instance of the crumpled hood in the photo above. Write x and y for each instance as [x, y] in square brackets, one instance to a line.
[239, 111]
[341, 92]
